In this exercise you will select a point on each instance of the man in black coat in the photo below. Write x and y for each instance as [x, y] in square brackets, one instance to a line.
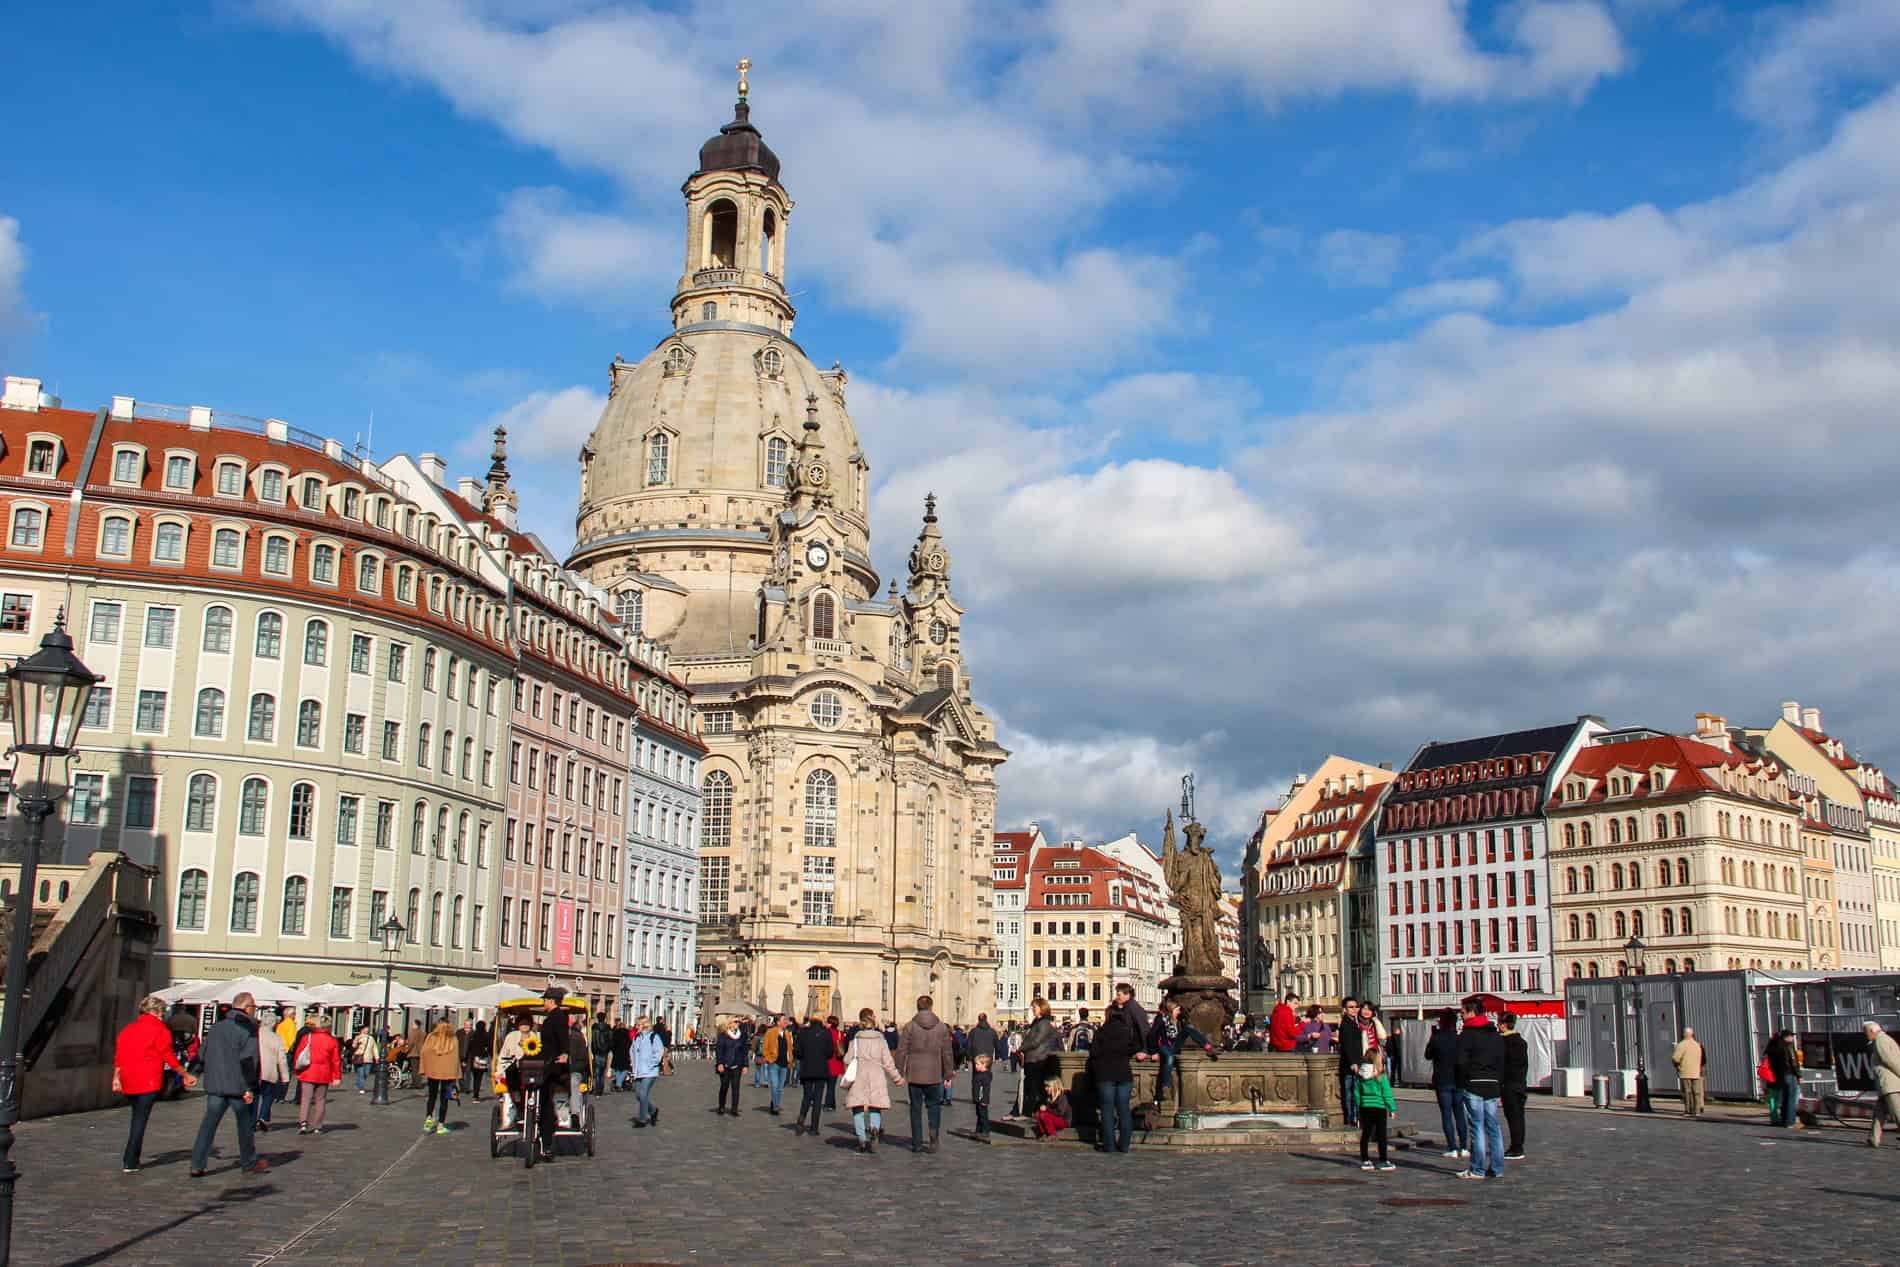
[812, 1051]
[1481, 1078]
[1352, 1050]
[230, 1057]
[557, 1049]
[1514, 1087]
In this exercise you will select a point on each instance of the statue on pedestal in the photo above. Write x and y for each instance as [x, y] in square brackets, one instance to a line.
[1198, 984]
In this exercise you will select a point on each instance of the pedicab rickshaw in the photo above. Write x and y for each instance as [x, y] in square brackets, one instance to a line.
[575, 1120]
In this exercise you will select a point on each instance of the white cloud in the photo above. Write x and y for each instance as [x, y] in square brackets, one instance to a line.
[1451, 295]
[15, 318]
[545, 433]
[561, 253]
[1811, 54]
[1354, 257]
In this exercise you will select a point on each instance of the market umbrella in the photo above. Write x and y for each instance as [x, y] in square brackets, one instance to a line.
[370, 994]
[494, 995]
[179, 989]
[334, 995]
[263, 989]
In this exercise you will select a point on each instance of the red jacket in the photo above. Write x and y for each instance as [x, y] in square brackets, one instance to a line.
[143, 1051]
[1283, 1029]
[326, 1059]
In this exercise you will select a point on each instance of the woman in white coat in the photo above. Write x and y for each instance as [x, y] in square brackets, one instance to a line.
[867, 1059]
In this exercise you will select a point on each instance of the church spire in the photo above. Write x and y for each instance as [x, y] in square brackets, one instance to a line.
[807, 478]
[929, 559]
[498, 494]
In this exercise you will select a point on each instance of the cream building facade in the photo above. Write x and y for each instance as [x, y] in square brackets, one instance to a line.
[725, 502]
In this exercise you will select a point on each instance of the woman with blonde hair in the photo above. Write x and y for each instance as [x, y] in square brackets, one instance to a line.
[867, 1060]
[441, 1063]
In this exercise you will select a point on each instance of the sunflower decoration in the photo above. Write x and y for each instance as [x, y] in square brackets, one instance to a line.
[531, 1045]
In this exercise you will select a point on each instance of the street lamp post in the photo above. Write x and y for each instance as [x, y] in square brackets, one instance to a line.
[1633, 953]
[47, 691]
[391, 934]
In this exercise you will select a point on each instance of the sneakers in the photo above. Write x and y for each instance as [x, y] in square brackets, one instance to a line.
[1468, 1174]
[1386, 1165]
[131, 1170]
[303, 1129]
[1464, 1152]
[441, 1128]
[258, 1167]
[1514, 1156]
[1450, 1152]
[1365, 1165]
[428, 1124]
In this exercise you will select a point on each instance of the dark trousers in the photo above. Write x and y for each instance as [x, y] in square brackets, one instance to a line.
[925, 1100]
[268, 1093]
[1513, 1107]
[980, 1097]
[135, 1139]
[545, 1124]
[1112, 1098]
[1349, 1097]
[1371, 1127]
[729, 1084]
[1035, 1078]
[438, 1093]
[831, 1093]
[215, 1106]
[813, 1099]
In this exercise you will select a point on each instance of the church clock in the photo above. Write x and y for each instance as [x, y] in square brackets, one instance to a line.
[817, 555]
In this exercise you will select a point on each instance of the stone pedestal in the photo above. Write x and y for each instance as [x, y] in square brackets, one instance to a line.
[1207, 1002]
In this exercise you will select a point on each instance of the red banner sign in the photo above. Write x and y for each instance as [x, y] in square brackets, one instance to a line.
[563, 933]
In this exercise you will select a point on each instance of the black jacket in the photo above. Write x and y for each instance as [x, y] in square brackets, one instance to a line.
[813, 1048]
[1442, 1050]
[1351, 1043]
[229, 1053]
[1114, 1046]
[1517, 1062]
[982, 1041]
[600, 1039]
[731, 1050]
[556, 1041]
[1481, 1060]
[622, 1047]
[1780, 1060]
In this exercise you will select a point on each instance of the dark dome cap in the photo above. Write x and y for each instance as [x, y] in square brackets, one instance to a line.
[739, 147]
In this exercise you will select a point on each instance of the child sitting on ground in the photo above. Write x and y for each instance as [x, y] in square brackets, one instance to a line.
[1055, 1115]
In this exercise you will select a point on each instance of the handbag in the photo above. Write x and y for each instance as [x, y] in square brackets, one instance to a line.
[303, 1058]
[1763, 1072]
[850, 1074]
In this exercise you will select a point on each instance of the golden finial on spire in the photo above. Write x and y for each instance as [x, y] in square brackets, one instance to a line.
[745, 64]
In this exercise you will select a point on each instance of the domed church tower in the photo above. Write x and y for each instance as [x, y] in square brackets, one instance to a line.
[848, 803]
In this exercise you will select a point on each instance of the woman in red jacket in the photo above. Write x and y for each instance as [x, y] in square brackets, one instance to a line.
[318, 1065]
[139, 1060]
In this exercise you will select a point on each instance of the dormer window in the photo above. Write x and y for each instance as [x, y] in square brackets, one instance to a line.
[352, 503]
[230, 479]
[675, 362]
[127, 466]
[323, 564]
[42, 457]
[312, 496]
[270, 486]
[115, 536]
[659, 455]
[168, 543]
[382, 512]
[771, 363]
[178, 472]
[369, 574]
[277, 555]
[405, 585]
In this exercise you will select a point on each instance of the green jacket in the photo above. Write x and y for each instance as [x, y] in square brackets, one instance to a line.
[1376, 1093]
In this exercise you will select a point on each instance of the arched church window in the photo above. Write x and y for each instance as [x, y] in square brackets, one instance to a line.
[627, 608]
[768, 241]
[946, 675]
[675, 362]
[776, 452]
[709, 311]
[824, 620]
[930, 859]
[658, 452]
[715, 811]
[821, 810]
[826, 710]
[722, 235]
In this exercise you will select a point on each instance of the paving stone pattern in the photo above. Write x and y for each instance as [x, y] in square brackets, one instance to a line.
[1601, 1187]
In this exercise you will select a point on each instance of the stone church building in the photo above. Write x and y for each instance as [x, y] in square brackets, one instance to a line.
[848, 799]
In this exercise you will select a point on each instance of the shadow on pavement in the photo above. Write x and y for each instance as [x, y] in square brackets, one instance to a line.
[229, 1197]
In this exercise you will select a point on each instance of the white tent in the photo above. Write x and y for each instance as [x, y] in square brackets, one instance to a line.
[370, 994]
[494, 995]
[332, 995]
[179, 989]
[264, 990]
[441, 996]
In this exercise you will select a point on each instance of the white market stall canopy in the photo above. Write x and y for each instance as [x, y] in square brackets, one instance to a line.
[264, 990]
[179, 989]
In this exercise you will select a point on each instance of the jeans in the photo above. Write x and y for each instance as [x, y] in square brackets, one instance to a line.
[142, 1112]
[1164, 1077]
[729, 1083]
[1487, 1136]
[600, 1074]
[268, 1093]
[813, 1099]
[1112, 1098]
[363, 1070]
[215, 1105]
[1349, 1097]
[775, 1079]
[867, 1123]
[1787, 1103]
[643, 1097]
[928, 1097]
[980, 1097]
[758, 1073]
[1451, 1113]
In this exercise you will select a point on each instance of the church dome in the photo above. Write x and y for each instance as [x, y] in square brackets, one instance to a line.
[739, 148]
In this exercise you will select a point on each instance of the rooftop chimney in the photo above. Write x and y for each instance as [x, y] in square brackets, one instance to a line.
[1791, 711]
[22, 393]
[470, 488]
[434, 469]
[1811, 718]
[1707, 724]
[123, 407]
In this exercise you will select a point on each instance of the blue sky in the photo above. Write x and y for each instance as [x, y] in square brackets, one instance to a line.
[1297, 378]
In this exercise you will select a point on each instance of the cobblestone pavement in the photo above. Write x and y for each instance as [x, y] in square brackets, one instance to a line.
[1599, 1188]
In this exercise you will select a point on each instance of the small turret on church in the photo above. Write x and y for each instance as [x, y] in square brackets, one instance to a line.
[935, 618]
[498, 495]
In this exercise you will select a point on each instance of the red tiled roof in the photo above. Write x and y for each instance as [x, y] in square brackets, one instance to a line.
[1687, 759]
[1822, 740]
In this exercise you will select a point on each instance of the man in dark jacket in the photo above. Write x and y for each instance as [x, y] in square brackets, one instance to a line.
[558, 1049]
[230, 1061]
[600, 1044]
[812, 1051]
[1514, 1088]
[1481, 1078]
[1116, 1045]
[729, 1057]
[1442, 1050]
[925, 1057]
[1083, 1034]
[1352, 1050]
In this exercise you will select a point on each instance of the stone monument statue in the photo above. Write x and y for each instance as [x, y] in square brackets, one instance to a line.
[1198, 983]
